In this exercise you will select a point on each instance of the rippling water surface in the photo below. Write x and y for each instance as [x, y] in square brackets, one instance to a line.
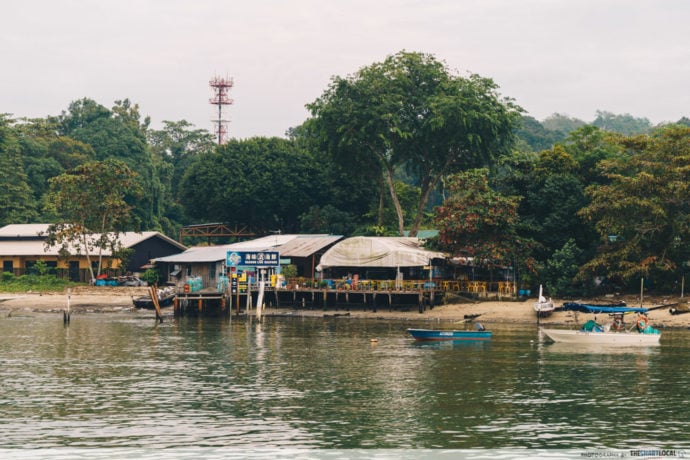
[322, 383]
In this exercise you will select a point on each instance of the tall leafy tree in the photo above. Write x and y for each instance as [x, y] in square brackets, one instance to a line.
[174, 148]
[47, 154]
[643, 214]
[118, 133]
[479, 222]
[263, 182]
[410, 111]
[535, 136]
[17, 204]
[89, 202]
[345, 189]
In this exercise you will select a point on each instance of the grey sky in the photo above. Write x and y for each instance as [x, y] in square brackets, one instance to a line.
[571, 57]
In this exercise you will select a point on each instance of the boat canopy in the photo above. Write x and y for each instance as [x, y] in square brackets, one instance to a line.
[365, 251]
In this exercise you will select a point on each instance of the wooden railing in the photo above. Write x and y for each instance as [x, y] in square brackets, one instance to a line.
[479, 288]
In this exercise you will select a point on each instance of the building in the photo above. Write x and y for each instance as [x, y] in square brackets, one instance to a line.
[207, 264]
[379, 258]
[22, 245]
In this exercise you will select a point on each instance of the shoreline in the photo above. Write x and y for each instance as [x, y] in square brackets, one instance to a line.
[487, 312]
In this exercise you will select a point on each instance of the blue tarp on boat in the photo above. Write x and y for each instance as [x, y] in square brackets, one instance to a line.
[594, 308]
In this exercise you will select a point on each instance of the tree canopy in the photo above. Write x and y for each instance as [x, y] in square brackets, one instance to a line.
[410, 112]
[90, 200]
[643, 214]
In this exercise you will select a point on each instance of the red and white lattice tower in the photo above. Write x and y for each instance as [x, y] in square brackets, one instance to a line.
[220, 87]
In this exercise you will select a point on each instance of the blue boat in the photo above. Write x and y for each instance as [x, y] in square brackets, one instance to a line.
[595, 308]
[427, 335]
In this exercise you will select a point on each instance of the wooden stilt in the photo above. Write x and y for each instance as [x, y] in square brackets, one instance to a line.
[154, 298]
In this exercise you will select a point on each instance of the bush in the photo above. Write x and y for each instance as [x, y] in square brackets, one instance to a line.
[151, 276]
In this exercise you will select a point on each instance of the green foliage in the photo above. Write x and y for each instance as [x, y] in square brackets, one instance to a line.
[535, 136]
[41, 268]
[410, 111]
[125, 255]
[90, 200]
[646, 205]
[478, 222]
[17, 204]
[151, 276]
[624, 124]
[561, 271]
[33, 282]
[562, 124]
[264, 182]
[289, 271]
[327, 219]
[118, 134]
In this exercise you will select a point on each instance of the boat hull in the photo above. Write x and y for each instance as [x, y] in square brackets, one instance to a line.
[543, 309]
[146, 302]
[602, 338]
[427, 335]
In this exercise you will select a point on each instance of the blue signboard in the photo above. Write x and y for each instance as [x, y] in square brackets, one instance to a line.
[253, 259]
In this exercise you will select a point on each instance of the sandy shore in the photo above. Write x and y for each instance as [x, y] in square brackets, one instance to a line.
[487, 312]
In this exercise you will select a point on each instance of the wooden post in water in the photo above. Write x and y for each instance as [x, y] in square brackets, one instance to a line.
[66, 313]
[154, 298]
[641, 290]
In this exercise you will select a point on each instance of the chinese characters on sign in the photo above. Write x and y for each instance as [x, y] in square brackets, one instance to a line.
[252, 259]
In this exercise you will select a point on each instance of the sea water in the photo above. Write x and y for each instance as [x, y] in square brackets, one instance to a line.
[120, 383]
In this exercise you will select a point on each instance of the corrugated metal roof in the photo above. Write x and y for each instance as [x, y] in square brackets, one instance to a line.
[37, 247]
[23, 230]
[129, 239]
[305, 246]
[287, 245]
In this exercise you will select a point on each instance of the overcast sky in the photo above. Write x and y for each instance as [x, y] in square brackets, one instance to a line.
[572, 57]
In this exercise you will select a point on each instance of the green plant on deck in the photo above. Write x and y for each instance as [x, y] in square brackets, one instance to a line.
[151, 276]
[289, 271]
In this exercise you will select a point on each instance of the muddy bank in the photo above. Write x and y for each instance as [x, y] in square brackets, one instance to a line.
[103, 300]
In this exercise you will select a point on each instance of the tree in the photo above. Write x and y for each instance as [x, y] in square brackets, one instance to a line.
[643, 214]
[535, 136]
[174, 149]
[90, 202]
[263, 182]
[622, 124]
[562, 124]
[121, 134]
[410, 112]
[476, 221]
[17, 204]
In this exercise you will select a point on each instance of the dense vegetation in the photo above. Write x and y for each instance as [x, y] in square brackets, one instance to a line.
[401, 144]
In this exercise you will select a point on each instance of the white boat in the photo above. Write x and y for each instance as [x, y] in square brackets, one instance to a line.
[593, 333]
[543, 307]
[602, 338]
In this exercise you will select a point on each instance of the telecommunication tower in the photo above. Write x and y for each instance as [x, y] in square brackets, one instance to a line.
[220, 87]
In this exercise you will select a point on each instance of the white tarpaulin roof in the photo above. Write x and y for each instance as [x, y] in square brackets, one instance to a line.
[370, 251]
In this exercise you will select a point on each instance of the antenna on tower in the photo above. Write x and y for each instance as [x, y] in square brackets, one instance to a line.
[220, 87]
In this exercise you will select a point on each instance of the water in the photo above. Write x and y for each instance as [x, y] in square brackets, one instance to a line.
[120, 381]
